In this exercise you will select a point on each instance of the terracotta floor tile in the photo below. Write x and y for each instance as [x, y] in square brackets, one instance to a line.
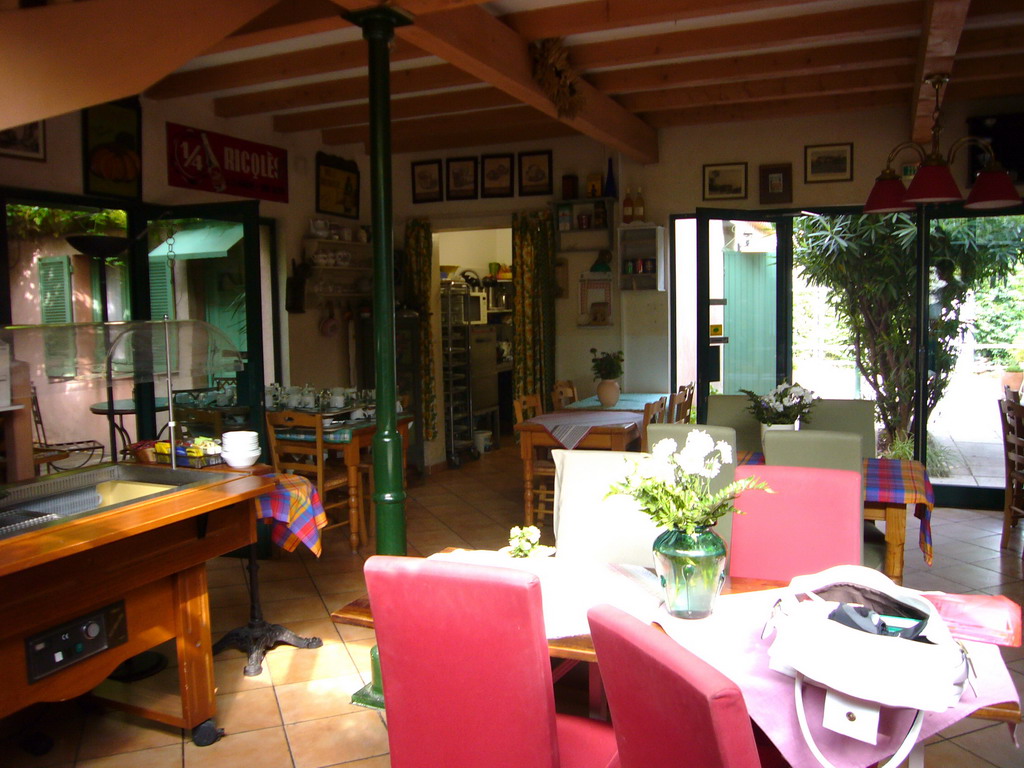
[293, 665]
[113, 733]
[316, 699]
[229, 675]
[286, 611]
[248, 710]
[993, 745]
[158, 757]
[339, 739]
[252, 749]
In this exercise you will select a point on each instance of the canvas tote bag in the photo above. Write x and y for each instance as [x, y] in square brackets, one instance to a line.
[869, 643]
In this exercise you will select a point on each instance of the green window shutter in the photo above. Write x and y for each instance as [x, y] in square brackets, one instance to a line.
[55, 307]
[161, 302]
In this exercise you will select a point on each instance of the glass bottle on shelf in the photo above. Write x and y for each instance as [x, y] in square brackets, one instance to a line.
[627, 207]
[638, 205]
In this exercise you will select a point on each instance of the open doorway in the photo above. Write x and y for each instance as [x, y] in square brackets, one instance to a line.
[476, 333]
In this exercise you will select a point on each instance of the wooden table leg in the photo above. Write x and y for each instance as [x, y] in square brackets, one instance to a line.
[354, 512]
[195, 657]
[526, 452]
[895, 518]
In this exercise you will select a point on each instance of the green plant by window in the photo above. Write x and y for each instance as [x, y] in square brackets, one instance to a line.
[606, 365]
[29, 221]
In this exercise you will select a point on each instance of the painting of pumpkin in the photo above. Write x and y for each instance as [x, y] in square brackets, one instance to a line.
[116, 161]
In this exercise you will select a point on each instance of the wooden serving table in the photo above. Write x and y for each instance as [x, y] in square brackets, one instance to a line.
[148, 555]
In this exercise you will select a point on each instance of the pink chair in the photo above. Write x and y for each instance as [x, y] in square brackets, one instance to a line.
[669, 707]
[812, 521]
[466, 671]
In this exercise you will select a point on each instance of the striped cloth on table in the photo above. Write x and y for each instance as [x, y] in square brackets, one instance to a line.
[294, 512]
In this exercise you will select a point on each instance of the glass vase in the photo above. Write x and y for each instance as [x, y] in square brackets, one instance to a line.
[691, 567]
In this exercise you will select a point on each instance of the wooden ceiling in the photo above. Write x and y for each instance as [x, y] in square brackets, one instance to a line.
[461, 73]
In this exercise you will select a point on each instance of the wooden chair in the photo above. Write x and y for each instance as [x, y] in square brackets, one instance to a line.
[297, 445]
[1011, 418]
[526, 407]
[679, 405]
[1011, 394]
[654, 413]
[563, 394]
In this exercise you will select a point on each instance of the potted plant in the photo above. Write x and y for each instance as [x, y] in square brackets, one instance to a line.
[607, 368]
[782, 408]
[1013, 376]
[673, 488]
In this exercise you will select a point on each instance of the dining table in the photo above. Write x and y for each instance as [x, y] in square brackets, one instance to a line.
[628, 401]
[730, 639]
[116, 411]
[891, 488]
[349, 438]
[592, 430]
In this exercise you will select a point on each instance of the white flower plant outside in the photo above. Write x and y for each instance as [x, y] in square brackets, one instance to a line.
[783, 405]
[522, 541]
[672, 486]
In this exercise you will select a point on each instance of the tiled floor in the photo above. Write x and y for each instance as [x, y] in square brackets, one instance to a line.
[297, 713]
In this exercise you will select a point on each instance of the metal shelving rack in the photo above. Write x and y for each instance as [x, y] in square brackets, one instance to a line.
[458, 398]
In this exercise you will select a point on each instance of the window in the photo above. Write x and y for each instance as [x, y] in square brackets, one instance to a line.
[55, 308]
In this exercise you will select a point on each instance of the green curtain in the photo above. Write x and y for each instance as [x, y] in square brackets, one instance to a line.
[533, 317]
[419, 252]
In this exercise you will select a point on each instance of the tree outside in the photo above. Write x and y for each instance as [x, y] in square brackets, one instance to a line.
[866, 266]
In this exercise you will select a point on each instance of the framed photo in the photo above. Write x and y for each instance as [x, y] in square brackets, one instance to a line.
[496, 179]
[337, 186]
[535, 173]
[25, 142]
[112, 149]
[776, 183]
[461, 178]
[426, 182]
[828, 162]
[725, 181]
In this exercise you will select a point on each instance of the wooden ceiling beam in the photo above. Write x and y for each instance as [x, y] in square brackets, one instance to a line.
[989, 68]
[519, 115]
[476, 42]
[480, 137]
[342, 89]
[413, 106]
[847, 26]
[268, 69]
[808, 61]
[600, 15]
[752, 91]
[730, 113]
[991, 89]
[940, 37]
[991, 42]
[60, 58]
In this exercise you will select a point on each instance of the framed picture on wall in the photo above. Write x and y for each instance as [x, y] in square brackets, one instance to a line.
[25, 142]
[426, 182]
[535, 173]
[461, 177]
[725, 181]
[496, 179]
[775, 183]
[337, 186]
[828, 162]
[112, 149]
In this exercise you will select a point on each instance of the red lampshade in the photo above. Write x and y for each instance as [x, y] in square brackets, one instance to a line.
[888, 195]
[933, 183]
[993, 188]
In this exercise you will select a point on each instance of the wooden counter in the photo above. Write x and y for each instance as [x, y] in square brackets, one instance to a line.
[152, 556]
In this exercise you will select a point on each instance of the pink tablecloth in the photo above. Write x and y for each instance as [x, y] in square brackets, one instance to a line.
[570, 427]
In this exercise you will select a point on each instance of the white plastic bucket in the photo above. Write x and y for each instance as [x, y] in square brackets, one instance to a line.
[482, 440]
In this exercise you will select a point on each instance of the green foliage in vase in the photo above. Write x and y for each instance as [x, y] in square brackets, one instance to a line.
[606, 365]
[673, 487]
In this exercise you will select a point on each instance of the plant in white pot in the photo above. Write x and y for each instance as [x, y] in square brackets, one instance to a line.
[607, 368]
[781, 408]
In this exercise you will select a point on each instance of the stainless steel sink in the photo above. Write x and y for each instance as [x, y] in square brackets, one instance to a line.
[53, 499]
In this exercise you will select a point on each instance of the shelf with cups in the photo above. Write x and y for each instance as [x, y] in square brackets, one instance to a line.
[585, 224]
[338, 268]
[642, 257]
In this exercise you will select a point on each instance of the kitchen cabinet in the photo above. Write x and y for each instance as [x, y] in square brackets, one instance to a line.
[642, 257]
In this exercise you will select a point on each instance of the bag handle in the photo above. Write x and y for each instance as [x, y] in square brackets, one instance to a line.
[904, 749]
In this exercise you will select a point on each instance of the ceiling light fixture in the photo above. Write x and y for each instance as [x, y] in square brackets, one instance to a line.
[933, 182]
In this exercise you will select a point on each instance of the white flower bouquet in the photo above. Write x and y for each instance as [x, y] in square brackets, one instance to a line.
[673, 486]
[783, 405]
[525, 542]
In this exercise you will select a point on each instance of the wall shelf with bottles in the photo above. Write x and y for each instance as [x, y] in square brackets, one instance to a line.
[585, 224]
[641, 257]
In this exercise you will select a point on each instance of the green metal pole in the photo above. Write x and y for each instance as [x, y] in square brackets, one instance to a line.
[389, 494]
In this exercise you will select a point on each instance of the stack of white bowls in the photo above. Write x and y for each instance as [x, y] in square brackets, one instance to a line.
[240, 449]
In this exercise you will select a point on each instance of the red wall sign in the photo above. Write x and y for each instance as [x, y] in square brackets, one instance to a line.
[214, 162]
